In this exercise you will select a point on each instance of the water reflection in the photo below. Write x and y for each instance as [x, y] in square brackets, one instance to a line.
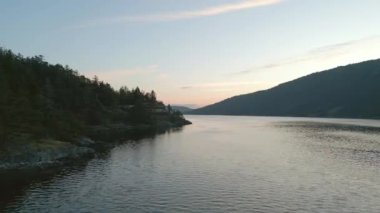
[226, 164]
[355, 143]
[15, 184]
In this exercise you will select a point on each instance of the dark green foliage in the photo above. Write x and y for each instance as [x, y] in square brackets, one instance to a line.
[38, 99]
[351, 91]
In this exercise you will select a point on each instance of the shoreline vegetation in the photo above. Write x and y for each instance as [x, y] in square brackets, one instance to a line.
[49, 114]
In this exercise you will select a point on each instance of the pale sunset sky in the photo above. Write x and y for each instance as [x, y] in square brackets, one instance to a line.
[194, 52]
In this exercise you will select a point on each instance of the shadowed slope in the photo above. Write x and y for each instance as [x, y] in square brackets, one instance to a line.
[348, 91]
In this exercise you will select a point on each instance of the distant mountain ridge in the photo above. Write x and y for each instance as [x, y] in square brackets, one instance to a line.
[351, 91]
[182, 109]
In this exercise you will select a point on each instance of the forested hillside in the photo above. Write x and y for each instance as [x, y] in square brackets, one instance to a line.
[41, 100]
[351, 91]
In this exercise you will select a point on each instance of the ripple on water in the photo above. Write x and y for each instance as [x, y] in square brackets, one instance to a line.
[226, 164]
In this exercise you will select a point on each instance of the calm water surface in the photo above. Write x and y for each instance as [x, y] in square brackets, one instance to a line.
[225, 164]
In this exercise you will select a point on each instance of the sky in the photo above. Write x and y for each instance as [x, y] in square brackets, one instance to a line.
[194, 52]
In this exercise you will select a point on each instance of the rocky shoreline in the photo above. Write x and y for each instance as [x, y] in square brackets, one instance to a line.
[25, 154]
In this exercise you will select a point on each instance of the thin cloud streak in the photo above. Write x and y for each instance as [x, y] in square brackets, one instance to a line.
[173, 16]
[217, 85]
[186, 87]
[321, 54]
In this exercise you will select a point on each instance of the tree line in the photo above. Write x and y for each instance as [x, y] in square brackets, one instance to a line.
[39, 99]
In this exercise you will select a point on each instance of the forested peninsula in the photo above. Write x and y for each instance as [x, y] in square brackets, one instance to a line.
[50, 113]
